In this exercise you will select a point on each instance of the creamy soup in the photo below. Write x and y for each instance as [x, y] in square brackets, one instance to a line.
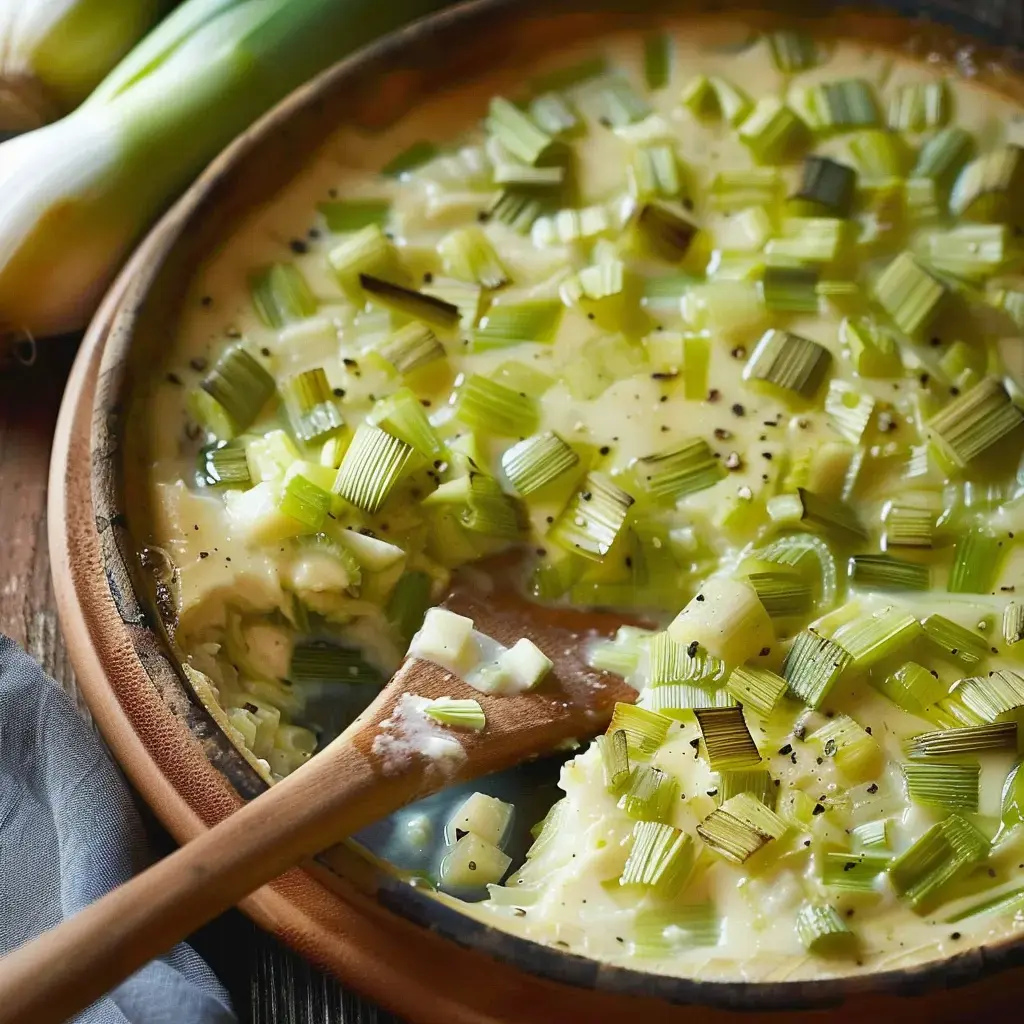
[716, 334]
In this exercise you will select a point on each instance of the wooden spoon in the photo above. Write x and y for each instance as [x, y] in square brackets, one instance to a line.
[345, 787]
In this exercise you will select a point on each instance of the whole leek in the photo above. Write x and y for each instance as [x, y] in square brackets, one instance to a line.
[75, 195]
[53, 53]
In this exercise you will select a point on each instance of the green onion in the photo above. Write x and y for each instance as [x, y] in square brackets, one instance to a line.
[727, 738]
[663, 932]
[812, 666]
[231, 395]
[943, 156]
[967, 740]
[822, 931]
[371, 467]
[850, 411]
[908, 526]
[469, 256]
[310, 405]
[552, 114]
[490, 407]
[870, 639]
[790, 289]
[854, 750]
[919, 106]
[833, 517]
[224, 465]
[408, 603]
[650, 795]
[673, 474]
[666, 229]
[988, 189]
[645, 730]
[973, 422]
[884, 572]
[368, 251]
[535, 462]
[654, 172]
[411, 303]
[614, 749]
[792, 51]
[410, 159]
[992, 696]
[318, 661]
[516, 322]
[458, 714]
[759, 689]
[790, 362]
[411, 347]
[910, 294]
[281, 295]
[657, 60]
[826, 188]
[660, 858]
[872, 834]
[402, 415]
[945, 853]
[772, 131]
[943, 785]
[976, 562]
[758, 782]
[783, 594]
[964, 645]
[846, 104]
[593, 519]
[346, 216]
[856, 871]
[1013, 623]
[740, 827]
[516, 132]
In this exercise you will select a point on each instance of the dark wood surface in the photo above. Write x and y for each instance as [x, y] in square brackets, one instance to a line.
[268, 984]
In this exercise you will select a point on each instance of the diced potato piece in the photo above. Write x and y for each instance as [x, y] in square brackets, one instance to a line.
[726, 619]
[485, 816]
[446, 639]
[473, 863]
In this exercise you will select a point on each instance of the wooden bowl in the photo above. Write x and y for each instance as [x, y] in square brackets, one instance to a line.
[416, 954]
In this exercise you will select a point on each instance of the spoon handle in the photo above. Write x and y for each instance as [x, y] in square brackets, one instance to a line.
[67, 968]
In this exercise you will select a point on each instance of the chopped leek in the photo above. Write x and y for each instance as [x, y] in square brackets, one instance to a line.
[645, 730]
[552, 114]
[908, 525]
[971, 251]
[826, 188]
[727, 738]
[822, 931]
[973, 423]
[855, 752]
[792, 51]
[872, 835]
[537, 461]
[873, 352]
[469, 256]
[952, 785]
[988, 189]
[812, 667]
[976, 561]
[910, 294]
[516, 132]
[408, 302]
[512, 323]
[758, 782]
[662, 932]
[1013, 623]
[350, 215]
[224, 465]
[844, 105]
[593, 519]
[741, 827]
[727, 619]
[850, 411]
[783, 594]
[367, 251]
[674, 474]
[402, 415]
[759, 689]
[654, 172]
[458, 714]
[790, 362]
[992, 696]
[232, 394]
[485, 405]
[884, 572]
[281, 295]
[660, 858]
[919, 106]
[790, 289]
[310, 405]
[966, 740]
[614, 750]
[668, 231]
[857, 871]
[408, 604]
[618, 103]
[306, 502]
[650, 794]
[965, 645]
[672, 662]
[772, 131]
[372, 466]
[870, 639]
[830, 516]
[943, 155]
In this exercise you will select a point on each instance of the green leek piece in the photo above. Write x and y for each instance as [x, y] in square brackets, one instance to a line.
[822, 931]
[988, 189]
[516, 132]
[696, 366]
[812, 667]
[371, 467]
[910, 294]
[573, 75]
[1013, 623]
[593, 519]
[845, 105]
[402, 415]
[410, 159]
[973, 422]
[568, 226]
[944, 854]
[953, 785]
[317, 661]
[492, 408]
[657, 60]
[552, 114]
[408, 603]
[231, 395]
[855, 752]
[870, 639]
[772, 132]
[666, 229]
[964, 645]
[281, 295]
[884, 572]
[859, 872]
[758, 689]
[650, 795]
[919, 106]
[758, 782]
[306, 502]
[469, 256]
[783, 594]
[411, 303]
[992, 696]
[961, 361]
[537, 461]
[672, 662]
[966, 740]
[792, 51]
[790, 289]
[812, 240]
[826, 188]
[685, 470]
[908, 525]
[654, 172]
[850, 411]
[881, 157]
[457, 714]
[614, 750]
[1004, 903]
[346, 216]
[660, 859]
[978, 555]
[645, 730]
[873, 352]
[520, 176]
[872, 835]
[790, 362]
[739, 190]
[622, 654]
[741, 827]
[522, 378]
[617, 103]
[810, 555]
[224, 465]
[367, 251]
[832, 517]
[971, 251]
[516, 322]
[677, 699]
[727, 738]
[311, 407]
[663, 932]
[464, 297]
[943, 156]
[518, 208]
[411, 347]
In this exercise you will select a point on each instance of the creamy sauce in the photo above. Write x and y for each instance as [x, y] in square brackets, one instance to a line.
[569, 892]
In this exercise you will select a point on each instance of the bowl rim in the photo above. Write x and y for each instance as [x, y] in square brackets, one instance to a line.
[148, 641]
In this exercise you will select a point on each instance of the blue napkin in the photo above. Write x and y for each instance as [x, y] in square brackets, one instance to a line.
[68, 834]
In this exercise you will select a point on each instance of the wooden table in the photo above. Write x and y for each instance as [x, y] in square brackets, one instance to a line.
[268, 984]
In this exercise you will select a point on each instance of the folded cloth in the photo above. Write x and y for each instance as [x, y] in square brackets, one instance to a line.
[68, 834]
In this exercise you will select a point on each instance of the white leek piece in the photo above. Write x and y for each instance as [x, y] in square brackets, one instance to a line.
[75, 195]
[53, 53]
